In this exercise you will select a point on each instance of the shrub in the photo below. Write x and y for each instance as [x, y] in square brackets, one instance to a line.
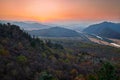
[21, 58]
[4, 52]
[91, 77]
[46, 76]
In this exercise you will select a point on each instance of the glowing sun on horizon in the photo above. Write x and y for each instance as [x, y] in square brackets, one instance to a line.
[44, 10]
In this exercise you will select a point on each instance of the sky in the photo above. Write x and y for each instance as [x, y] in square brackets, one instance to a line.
[60, 10]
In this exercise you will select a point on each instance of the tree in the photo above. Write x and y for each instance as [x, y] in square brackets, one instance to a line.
[4, 52]
[46, 76]
[91, 77]
[21, 59]
[107, 72]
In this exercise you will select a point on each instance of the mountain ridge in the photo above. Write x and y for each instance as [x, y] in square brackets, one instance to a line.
[26, 25]
[55, 32]
[104, 29]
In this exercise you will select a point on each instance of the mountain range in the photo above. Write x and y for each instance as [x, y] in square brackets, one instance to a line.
[28, 25]
[104, 29]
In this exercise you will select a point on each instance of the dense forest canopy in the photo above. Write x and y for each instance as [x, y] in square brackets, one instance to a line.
[23, 57]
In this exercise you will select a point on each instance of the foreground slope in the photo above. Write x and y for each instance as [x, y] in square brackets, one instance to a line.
[22, 57]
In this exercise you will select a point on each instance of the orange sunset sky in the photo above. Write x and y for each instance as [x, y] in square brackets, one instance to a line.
[58, 10]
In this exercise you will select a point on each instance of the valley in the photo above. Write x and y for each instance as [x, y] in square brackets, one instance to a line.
[59, 39]
[105, 41]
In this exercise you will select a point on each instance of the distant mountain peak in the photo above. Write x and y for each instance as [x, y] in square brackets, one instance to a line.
[57, 27]
[106, 22]
[105, 29]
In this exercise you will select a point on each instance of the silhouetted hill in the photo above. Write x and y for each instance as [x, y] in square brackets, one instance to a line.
[21, 56]
[105, 29]
[55, 32]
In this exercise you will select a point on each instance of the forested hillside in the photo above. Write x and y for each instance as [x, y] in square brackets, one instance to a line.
[23, 57]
